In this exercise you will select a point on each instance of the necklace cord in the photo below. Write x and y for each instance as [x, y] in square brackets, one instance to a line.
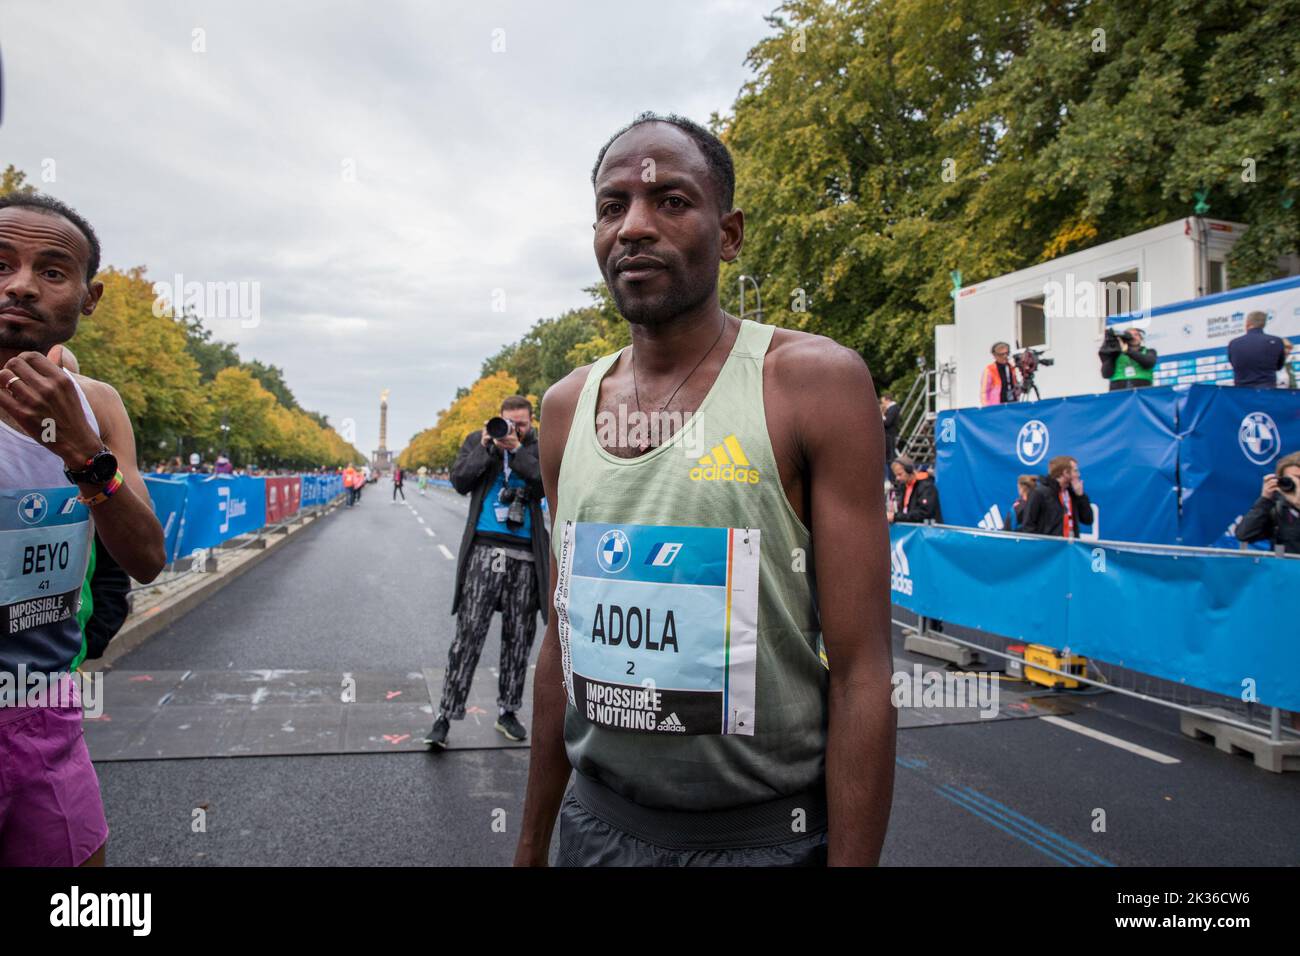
[637, 392]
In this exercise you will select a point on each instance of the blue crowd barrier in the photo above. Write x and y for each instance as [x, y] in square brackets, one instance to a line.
[219, 507]
[1166, 465]
[169, 495]
[320, 489]
[201, 511]
[1216, 621]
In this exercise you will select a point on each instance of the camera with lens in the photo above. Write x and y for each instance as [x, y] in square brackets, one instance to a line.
[1115, 342]
[498, 427]
[1286, 483]
[517, 499]
[1028, 360]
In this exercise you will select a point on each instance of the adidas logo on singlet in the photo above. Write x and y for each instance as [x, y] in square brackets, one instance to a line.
[725, 462]
[672, 723]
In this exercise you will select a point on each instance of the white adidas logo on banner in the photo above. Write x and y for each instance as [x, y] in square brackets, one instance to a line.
[992, 520]
[672, 723]
[900, 576]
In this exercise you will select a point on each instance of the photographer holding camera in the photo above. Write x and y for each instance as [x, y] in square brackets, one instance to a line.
[1125, 360]
[504, 562]
[1275, 517]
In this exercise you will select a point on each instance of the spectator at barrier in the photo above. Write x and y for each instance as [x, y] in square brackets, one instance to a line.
[1287, 378]
[504, 563]
[1015, 519]
[915, 492]
[889, 412]
[1256, 356]
[1058, 505]
[1126, 361]
[1275, 517]
[1000, 382]
[223, 466]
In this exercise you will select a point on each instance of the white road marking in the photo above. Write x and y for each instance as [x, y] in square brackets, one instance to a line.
[419, 519]
[445, 553]
[1113, 741]
[429, 532]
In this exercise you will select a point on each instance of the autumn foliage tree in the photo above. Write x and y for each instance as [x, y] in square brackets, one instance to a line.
[436, 447]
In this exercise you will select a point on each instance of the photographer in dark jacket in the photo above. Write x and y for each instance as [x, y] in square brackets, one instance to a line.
[1126, 361]
[915, 492]
[1058, 505]
[504, 563]
[1275, 517]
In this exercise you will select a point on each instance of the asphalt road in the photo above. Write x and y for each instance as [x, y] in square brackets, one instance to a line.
[369, 589]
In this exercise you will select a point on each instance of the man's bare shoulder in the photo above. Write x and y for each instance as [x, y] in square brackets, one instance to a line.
[103, 398]
[801, 361]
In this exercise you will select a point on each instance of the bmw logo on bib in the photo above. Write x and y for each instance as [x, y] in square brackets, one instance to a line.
[613, 551]
[32, 508]
[1031, 443]
[1258, 438]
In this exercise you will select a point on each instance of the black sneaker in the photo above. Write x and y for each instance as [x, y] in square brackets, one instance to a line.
[509, 725]
[437, 737]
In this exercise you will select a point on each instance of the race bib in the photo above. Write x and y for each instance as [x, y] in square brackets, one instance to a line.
[44, 547]
[658, 626]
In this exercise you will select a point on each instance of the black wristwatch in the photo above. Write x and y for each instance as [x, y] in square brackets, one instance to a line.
[99, 470]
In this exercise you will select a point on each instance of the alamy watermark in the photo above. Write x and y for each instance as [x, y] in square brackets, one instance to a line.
[210, 300]
[633, 428]
[930, 689]
[25, 688]
[1088, 299]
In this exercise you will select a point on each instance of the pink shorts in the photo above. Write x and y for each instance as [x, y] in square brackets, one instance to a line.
[51, 813]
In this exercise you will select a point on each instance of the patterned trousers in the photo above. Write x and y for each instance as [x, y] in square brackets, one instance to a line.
[493, 580]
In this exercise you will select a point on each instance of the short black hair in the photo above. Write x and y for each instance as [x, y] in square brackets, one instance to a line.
[51, 206]
[512, 402]
[716, 154]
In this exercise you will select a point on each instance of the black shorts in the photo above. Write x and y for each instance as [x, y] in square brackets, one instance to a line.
[588, 840]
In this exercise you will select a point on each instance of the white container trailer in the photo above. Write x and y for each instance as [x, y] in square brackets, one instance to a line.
[1061, 306]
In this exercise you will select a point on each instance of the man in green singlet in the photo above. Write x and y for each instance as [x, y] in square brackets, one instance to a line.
[717, 666]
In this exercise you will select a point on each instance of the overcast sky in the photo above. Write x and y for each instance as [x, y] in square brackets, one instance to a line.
[376, 167]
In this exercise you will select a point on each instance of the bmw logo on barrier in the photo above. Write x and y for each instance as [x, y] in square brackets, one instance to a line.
[32, 508]
[614, 551]
[1258, 438]
[1031, 443]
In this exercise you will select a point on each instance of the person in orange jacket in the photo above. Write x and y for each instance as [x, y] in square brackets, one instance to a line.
[1000, 378]
[351, 478]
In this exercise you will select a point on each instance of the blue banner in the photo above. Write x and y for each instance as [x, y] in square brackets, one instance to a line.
[1125, 443]
[320, 489]
[219, 507]
[168, 493]
[1230, 438]
[1219, 622]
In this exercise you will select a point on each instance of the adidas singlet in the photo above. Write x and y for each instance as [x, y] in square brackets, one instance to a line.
[686, 606]
[45, 538]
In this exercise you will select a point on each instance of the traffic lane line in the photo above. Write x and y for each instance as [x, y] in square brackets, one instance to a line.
[1105, 738]
[445, 553]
